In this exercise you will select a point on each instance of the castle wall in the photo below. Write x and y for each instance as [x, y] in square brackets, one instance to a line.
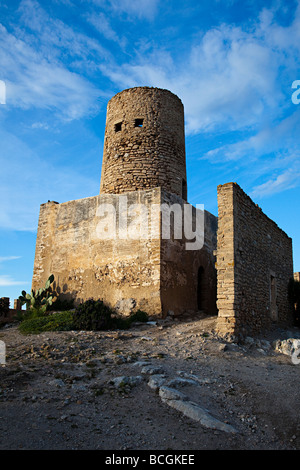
[136, 268]
[70, 245]
[254, 266]
[144, 145]
[181, 289]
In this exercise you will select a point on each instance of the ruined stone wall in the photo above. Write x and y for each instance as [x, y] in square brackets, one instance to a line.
[297, 276]
[8, 314]
[144, 145]
[181, 289]
[70, 245]
[136, 269]
[254, 265]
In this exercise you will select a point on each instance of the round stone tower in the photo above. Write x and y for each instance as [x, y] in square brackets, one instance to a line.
[144, 145]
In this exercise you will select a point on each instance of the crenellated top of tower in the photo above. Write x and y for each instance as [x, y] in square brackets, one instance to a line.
[144, 145]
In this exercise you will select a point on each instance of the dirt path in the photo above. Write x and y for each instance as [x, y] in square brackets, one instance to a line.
[64, 391]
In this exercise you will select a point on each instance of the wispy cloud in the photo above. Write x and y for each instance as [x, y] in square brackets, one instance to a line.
[33, 82]
[287, 180]
[102, 25]
[8, 258]
[143, 9]
[237, 80]
[230, 80]
[40, 125]
[279, 137]
[137, 8]
[6, 281]
[55, 38]
[35, 68]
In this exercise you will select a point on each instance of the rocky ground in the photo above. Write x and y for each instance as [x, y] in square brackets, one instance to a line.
[164, 385]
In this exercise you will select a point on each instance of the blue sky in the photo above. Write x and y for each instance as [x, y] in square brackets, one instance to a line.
[231, 63]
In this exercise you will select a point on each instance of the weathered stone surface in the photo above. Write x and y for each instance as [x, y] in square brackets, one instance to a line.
[192, 410]
[147, 153]
[288, 346]
[181, 382]
[128, 273]
[71, 245]
[152, 370]
[125, 306]
[169, 393]
[126, 380]
[156, 381]
[254, 266]
[195, 378]
[188, 276]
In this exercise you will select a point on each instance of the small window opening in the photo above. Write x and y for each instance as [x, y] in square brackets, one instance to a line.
[118, 127]
[200, 288]
[138, 122]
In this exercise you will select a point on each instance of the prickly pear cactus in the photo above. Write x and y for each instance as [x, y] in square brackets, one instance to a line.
[39, 298]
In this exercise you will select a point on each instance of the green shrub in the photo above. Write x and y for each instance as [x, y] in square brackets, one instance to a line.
[138, 316]
[60, 321]
[93, 315]
[59, 305]
[30, 313]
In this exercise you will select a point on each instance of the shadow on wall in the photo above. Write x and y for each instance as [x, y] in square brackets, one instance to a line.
[65, 298]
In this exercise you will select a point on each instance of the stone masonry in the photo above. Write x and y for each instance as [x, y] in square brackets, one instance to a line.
[146, 272]
[8, 314]
[87, 265]
[144, 142]
[254, 266]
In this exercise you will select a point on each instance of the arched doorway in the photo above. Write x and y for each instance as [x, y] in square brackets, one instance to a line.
[184, 190]
[200, 288]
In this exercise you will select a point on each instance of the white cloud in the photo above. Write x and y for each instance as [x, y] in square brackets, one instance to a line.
[40, 125]
[55, 38]
[8, 258]
[133, 8]
[231, 79]
[102, 24]
[287, 180]
[41, 69]
[285, 40]
[137, 8]
[32, 81]
[280, 138]
[9, 281]
[238, 80]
